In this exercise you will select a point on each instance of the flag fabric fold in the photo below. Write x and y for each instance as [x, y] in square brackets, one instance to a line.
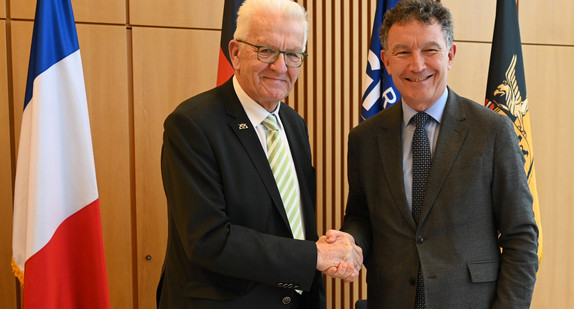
[379, 91]
[225, 68]
[57, 240]
[506, 90]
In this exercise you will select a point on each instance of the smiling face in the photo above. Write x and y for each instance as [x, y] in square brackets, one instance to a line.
[418, 59]
[265, 83]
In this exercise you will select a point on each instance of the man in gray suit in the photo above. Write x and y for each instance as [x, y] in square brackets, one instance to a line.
[475, 242]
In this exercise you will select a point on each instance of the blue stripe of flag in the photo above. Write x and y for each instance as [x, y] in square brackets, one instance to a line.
[54, 38]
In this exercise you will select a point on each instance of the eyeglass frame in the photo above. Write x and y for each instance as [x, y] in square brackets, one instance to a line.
[284, 52]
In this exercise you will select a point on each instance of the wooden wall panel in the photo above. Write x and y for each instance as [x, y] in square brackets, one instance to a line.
[2, 8]
[469, 72]
[549, 86]
[7, 279]
[177, 13]
[100, 11]
[473, 19]
[22, 9]
[543, 22]
[106, 78]
[168, 67]
[328, 95]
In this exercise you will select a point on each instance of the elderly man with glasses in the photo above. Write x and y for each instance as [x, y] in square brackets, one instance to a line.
[240, 185]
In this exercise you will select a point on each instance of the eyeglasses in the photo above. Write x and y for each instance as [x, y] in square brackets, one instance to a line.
[269, 55]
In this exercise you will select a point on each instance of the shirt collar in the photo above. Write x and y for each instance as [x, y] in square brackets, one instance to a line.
[435, 110]
[255, 112]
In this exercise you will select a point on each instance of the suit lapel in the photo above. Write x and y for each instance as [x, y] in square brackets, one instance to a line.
[245, 131]
[390, 149]
[452, 134]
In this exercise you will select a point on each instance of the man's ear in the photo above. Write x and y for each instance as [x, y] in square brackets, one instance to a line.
[385, 60]
[451, 53]
[234, 53]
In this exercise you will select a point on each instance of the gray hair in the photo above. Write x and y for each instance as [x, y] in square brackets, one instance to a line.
[251, 9]
[426, 11]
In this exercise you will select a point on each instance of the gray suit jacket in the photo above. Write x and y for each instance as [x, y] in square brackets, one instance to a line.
[229, 240]
[477, 189]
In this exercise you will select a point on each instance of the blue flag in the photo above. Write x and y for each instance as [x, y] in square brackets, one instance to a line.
[379, 91]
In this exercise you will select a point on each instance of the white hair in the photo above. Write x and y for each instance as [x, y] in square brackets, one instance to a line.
[251, 9]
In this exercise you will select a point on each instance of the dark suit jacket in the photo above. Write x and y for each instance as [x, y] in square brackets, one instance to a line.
[229, 240]
[477, 189]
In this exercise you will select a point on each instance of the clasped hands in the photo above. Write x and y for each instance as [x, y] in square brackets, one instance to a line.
[338, 256]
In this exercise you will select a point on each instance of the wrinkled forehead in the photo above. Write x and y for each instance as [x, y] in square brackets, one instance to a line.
[426, 34]
[268, 30]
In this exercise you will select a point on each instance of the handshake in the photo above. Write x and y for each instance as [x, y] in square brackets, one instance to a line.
[338, 256]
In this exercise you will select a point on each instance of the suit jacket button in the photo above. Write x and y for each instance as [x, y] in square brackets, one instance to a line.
[420, 240]
[286, 300]
[413, 281]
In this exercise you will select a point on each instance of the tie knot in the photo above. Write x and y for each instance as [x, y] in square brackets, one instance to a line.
[420, 119]
[270, 123]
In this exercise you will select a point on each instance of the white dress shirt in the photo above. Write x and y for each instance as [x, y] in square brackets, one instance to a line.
[256, 114]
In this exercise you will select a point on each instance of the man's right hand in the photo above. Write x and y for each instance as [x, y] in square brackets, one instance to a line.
[338, 256]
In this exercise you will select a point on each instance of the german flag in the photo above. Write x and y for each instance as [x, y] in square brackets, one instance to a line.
[225, 69]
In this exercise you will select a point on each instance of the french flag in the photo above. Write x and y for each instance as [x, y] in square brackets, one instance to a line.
[57, 240]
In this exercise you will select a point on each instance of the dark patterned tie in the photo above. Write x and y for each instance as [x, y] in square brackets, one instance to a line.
[421, 169]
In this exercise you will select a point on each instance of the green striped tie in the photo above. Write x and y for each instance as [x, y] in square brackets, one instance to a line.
[282, 168]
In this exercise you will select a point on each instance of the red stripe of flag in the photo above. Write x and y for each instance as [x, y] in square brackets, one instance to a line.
[76, 262]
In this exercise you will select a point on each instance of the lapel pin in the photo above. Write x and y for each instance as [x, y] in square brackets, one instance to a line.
[243, 126]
